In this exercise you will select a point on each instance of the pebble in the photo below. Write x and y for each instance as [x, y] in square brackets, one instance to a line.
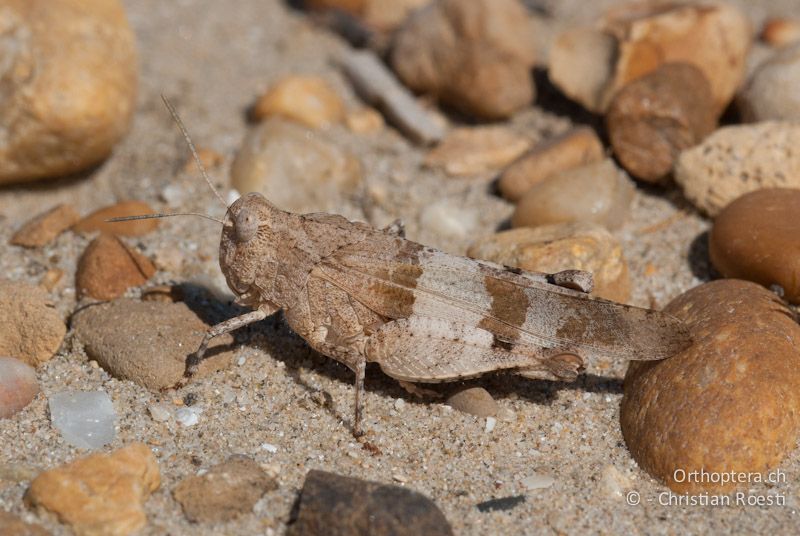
[108, 267]
[32, 329]
[780, 32]
[771, 92]
[96, 221]
[364, 121]
[475, 150]
[500, 504]
[473, 56]
[574, 148]
[449, 218]
[335, 504]
[491, 422]
[51, 278]
[159, 412]
[101, 494]
[309, 100]
[44, 228]
[224, 492]
[599, 193]
[590, 64]
[12, 525]
[755, 238]
[613, 482]
[18, 386]
[475, 401]
[187, 417]
[537, 481]
[85, 419]
[553, 248]
[121, 334]
[738, 159]
[295, 168]
[730, 402]
[64, 107]
[378, 87]
[210, 159]
[653, 118]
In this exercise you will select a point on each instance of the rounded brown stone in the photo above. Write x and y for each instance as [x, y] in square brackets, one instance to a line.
[730, 402]
[96, 221]
[108, 267]
[652, 119]
[31, 328]
[755, 238]
[574, 148]
[309, 100]
[45, 227]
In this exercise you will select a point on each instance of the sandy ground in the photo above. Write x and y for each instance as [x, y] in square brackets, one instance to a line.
[212, 60]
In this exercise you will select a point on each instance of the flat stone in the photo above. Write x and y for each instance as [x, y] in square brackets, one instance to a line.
[11, 525]
[755, 238]
[771, 92]
[598, 193]
[309, 100]
[18, 386]
[338, 505]
[653, 118]
[297, 169]
[32, 329]
[101, 494]
[224, 492]
[572, 149]
[474, 56]
[730, 402]
[44, 228]
[471, 151]
[108, 267]
[475, 401]
[590, 64]
[553, 248]
[96, 221]
[64, 107]
[739, 159]
[120, 335]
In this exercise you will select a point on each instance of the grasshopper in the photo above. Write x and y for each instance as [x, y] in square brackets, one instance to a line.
[359, 294]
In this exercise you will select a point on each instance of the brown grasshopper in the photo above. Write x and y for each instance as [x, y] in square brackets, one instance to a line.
[360, 294]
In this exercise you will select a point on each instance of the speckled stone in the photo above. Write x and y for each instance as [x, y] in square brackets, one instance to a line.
[755, 238]
[32, 329]
[730, 402]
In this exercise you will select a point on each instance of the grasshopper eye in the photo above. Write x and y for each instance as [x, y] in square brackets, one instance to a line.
[245, 225]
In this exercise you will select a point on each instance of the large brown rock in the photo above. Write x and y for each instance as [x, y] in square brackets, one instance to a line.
[730, 402]
[652, 119]
[31, 329]
[69, 85]
[590, 64]
[755, 238]
[473, 55]
[101, 494]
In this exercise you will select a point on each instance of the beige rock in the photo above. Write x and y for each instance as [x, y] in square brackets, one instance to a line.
[96, 221]
[471, 151]
[108, 267]
[364, 121]
[771, 92]
[653, 118]
[296, 169]
[224, 492]
[473, 55]
[18, 386]
[120, 335]
[572, 149]
[101, 494]
[730, 402]
[634, 39]
[51, 278]
[208, 157]
[475, 401]
[780, 32]
[738, 159]
[45, 227]
[755, 238]
[599, 192]
[69, 79]
[11, 525]
[32, 329]
[309, 100]
[553, 248]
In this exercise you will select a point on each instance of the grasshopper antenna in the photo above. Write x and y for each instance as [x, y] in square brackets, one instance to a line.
[177, 119]
[163, 215]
